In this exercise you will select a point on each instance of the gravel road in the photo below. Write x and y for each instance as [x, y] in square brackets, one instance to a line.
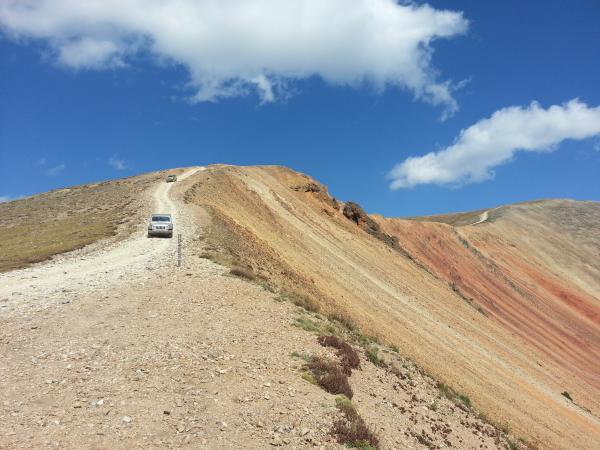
[101, 265]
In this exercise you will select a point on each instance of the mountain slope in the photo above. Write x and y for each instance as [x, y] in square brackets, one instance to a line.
[503, 311]
[531, 268]
[36, 228]
[117, 346]
[500, 305]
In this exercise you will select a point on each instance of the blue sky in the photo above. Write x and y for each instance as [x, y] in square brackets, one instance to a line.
[65, 120]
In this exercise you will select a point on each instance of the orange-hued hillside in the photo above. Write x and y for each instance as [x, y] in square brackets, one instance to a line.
[502, 305]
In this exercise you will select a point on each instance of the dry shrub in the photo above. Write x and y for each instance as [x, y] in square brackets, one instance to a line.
[300, 300]
[344, 321]
[351, 429]
[243, 272]
[372, 354]
[394, 369]
[304, 302]
[347, 354]
[330, 376]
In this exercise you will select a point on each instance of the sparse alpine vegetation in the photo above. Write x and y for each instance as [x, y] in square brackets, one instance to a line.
[34, 229]
[348, 356]
[330, 375]
[351, 430]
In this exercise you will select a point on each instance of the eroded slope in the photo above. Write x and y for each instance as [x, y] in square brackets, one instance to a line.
[443, 295]
[529, 267]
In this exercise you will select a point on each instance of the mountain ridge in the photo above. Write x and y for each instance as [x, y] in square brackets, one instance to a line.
[503, 311]
[268, 217]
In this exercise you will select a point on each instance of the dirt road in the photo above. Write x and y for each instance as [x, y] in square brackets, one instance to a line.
[482, 218]
[101, 265]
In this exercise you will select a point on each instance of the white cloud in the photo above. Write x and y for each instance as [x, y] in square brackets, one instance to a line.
[4, 198]
[494, 141]
[53, 171]
[86, 53]
[234, 47]
[116, 163]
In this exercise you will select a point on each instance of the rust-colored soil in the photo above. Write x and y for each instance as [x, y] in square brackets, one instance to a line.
[505, 311]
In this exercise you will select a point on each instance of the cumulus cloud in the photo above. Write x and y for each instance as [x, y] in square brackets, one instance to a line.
[53, 171]
[116, 163]
[234, 47]
[494, 141]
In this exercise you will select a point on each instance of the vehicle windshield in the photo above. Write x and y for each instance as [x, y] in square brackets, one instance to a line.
[161, 219]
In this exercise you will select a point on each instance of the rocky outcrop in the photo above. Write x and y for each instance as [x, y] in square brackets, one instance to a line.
[352, 211]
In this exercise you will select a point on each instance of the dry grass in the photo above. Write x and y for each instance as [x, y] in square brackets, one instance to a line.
[454, 219]
[300, 300]
[36, 228]
[372, 354]
[459, 399]
[26, 244]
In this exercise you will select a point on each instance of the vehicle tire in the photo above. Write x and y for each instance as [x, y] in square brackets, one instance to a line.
[149, 235]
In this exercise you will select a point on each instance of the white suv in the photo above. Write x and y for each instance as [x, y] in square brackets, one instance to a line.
[160, 225]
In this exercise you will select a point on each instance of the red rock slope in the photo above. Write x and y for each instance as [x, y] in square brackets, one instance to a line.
[534, 268]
